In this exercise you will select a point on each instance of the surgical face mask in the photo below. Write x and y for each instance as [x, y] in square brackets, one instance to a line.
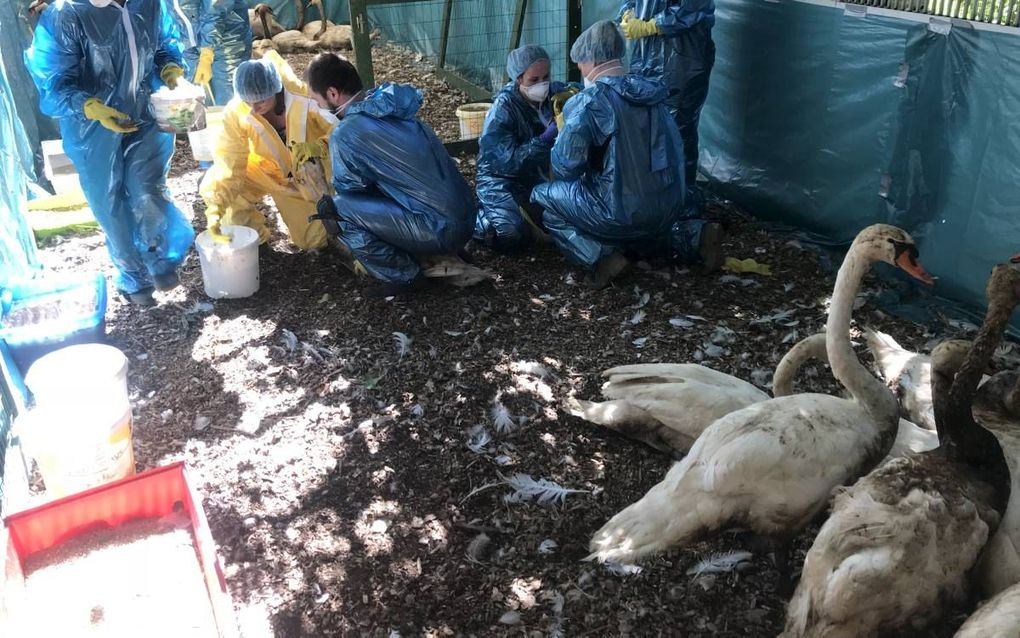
[338, 111]
[601, 71]
[100, 3]
[536, 92]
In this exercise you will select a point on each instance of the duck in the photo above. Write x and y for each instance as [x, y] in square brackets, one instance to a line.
[997, 618]
[771, 466]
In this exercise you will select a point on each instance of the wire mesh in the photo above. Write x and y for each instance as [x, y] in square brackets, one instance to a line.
[479, 36]
[1001, 12]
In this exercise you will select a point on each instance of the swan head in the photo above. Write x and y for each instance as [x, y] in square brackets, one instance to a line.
[894, 246]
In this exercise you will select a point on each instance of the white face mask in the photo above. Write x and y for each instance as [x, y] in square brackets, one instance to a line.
[601, 71]
[338, 111]
[100, 3]
[536, 92]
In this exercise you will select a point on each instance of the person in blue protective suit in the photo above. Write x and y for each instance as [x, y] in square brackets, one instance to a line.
[216, 36]
[513, 154]
[618, 169]
[96, 63]
[673, 43]
[399, 196]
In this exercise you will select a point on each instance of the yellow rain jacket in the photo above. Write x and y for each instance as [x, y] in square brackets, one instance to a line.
[251, 161]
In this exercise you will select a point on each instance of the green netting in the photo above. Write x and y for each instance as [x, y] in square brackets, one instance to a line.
[479, 36]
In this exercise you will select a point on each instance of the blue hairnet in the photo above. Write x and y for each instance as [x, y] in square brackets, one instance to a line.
[522, 57]
[256, 80]
[601, 42]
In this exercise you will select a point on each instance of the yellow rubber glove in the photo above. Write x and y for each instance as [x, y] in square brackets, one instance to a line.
[110, 118]
[633, 28]
[212, 219]
[203, 72]
[170, 74]
[559, 101]
[306, 151]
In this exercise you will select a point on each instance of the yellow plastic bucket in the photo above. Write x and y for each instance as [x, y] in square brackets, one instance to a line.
[472, 119]
[202, 142]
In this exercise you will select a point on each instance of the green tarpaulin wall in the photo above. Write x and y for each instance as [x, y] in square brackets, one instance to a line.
[830, 120]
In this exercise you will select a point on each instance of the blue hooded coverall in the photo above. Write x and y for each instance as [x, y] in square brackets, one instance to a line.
[398, 192]
[682, 58]
[512, 160]
[115, 54]
[220, 25]
[618, 166]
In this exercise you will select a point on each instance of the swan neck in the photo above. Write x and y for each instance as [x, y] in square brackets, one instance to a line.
[865, 387]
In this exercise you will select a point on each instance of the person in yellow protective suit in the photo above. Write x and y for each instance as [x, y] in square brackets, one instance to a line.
[270, 128]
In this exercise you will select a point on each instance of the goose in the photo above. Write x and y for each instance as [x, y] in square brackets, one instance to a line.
[997, 618]
[901, 541]
[771, 466]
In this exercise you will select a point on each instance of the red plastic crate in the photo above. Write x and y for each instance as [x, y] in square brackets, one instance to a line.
[149, 494]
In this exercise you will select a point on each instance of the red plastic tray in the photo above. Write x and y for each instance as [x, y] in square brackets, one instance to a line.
[149, 494]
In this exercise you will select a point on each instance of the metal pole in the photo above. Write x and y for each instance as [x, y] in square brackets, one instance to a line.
[362, 42]
[573, 31]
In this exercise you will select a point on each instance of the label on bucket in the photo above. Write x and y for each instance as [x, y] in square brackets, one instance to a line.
[78, 467]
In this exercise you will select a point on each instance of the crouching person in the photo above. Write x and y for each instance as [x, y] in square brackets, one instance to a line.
[619, 171]
[399, 196]
[513, 155]
[271, 130]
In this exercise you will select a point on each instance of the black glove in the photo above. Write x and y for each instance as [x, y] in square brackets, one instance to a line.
[326, 212]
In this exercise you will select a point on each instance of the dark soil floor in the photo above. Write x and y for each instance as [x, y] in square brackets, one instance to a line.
[330, 432]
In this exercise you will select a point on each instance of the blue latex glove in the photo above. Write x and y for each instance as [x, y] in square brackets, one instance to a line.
[549, 134]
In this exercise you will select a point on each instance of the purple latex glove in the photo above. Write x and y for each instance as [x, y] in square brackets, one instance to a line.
[549, 134]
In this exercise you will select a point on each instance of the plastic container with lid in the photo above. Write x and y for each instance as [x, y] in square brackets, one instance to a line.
[179, 110]
[79, 432]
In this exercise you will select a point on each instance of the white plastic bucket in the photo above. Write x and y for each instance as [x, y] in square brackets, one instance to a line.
[79, 433]
[230, 270]
[203, 141]
[472, 119]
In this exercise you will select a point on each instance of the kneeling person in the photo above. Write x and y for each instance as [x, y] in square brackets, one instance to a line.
[399, 196]
[619, 170]
[271, 128]
[513, 151]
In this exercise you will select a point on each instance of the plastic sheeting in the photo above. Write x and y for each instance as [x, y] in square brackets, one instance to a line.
[123, 175]
[17, 245]
[618, 166]
[15, 36]
[221, 25]
[891, 121]
[398, 192]
[512, 160]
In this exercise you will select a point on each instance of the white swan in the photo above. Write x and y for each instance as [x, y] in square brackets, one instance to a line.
[668, 405]
[997, 618]
[908, 373]
[771, 466]
[899, 542]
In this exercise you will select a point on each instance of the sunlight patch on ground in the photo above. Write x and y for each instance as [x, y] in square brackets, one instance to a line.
[373, 527]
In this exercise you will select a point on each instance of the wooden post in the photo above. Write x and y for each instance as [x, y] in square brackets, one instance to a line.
[444, 36]
[573, 31]
[362, 41]
[518, 25]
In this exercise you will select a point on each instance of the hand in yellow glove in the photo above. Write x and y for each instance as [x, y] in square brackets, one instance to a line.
[110, 118]
[203, 72]
[634, 28]
[170, 74]
[306, 151]
[212, 219]
[559, 101]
